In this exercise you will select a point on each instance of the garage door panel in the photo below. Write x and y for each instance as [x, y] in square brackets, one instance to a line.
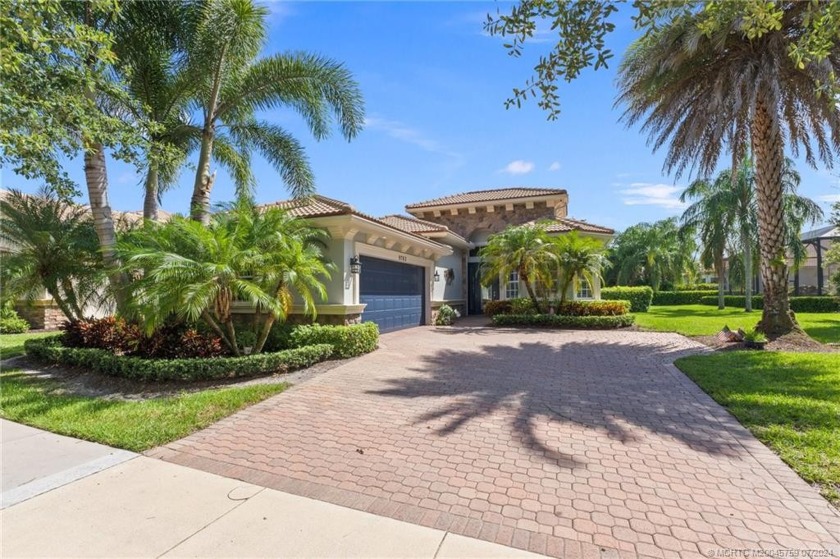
[392, 293]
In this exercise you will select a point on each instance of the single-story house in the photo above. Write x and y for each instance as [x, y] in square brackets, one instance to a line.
[397, 270]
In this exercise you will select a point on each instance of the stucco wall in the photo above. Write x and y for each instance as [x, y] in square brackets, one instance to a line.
[465, 223]
[453, 290]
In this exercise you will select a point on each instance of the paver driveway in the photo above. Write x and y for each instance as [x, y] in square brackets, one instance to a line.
[564, 443]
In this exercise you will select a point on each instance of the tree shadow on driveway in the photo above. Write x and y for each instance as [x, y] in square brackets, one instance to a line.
[617, 389]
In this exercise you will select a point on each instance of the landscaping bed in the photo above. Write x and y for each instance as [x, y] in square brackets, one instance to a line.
[789, 401]
[564, 321]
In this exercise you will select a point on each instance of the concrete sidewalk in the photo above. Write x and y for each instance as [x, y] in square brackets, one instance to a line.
[144, 507]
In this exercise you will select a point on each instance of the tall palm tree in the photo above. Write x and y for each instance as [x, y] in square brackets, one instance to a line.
[651, 252]
[234, 84]
[703, 91]
[198, 272]
[578, 259]
[710, 219]
[526, 250]
[53, 249]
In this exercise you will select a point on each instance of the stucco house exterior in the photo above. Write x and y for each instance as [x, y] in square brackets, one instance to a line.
[397, 270]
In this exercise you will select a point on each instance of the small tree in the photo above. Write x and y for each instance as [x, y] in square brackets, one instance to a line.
[198, 272]
[578, 259]
[54, 249]
[525, 249]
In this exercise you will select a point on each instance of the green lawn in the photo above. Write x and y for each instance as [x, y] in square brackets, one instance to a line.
[790, 401]
[704, 320]
[12, 344]
[132, 425]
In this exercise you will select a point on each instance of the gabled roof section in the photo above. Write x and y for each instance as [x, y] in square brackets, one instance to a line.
[485, 196]
[567, 224]
[412, 224]
[825, 232]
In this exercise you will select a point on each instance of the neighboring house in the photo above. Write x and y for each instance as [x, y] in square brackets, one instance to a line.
[407, 266]
[812, 276]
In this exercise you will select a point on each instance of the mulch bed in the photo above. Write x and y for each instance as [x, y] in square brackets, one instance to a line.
[794, 342]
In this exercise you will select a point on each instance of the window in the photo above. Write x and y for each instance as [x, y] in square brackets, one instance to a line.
[512, 286]
[584, 290]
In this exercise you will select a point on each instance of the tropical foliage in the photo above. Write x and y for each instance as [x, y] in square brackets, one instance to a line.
[578, 260]
[653, 254]
[199, 273]
[54, 249]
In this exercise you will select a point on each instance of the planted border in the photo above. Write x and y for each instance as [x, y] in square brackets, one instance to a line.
[346, 341]
[562, 321]
[640, 297]
[818, 304]
[50, 350]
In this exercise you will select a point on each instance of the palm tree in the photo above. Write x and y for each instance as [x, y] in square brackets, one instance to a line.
[54, 248]
[651, 252]
[526, 250]
[234, 84]
[701, 91]
[578, 259]
[710, 219]
[198, 272]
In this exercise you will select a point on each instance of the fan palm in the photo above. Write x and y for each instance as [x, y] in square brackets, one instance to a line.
[53, 248]
[233, 85]
[198, 272]
[526, 250]
[578, 259]
[702, 92]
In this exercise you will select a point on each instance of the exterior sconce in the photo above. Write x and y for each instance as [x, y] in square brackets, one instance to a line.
[355, 265]
[437, 276]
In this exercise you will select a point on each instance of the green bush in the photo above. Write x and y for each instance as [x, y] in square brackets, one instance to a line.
[662, 298]
[347, 341]
[446, 316]
[817, 304]
[102, 361]
[561, 321]
[11, 322]
[280, 337]
[697, 287]
[492, 308]
[591, 308]
[640, 297]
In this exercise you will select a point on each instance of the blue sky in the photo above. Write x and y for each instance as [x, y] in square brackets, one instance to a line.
[434, 85]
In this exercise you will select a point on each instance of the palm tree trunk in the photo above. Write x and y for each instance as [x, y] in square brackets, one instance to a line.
[748, 270]
[768, 150]
[531, 294]
[200, 202]
[150, 202]
[96, 178]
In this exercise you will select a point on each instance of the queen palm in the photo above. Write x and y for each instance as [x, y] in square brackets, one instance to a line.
[234, 84]
[526, 250]
[703, 91]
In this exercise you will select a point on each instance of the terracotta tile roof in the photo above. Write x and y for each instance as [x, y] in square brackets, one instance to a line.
[479, 196]
[566, 224]
[412, 224]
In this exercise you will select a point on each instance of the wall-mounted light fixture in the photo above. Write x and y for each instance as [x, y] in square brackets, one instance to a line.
[437, 276]
[355, 265]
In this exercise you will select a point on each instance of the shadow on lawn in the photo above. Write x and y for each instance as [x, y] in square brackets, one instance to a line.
[615, 388]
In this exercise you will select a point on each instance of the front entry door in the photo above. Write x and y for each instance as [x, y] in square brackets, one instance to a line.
[476, 293]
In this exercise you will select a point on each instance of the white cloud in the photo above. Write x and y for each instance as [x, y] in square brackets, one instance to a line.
[518, 167]
[278, 10]
[555, 166]
[651, 194]
[830, 198]
[405, 133]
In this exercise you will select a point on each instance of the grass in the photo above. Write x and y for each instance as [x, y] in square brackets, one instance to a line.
[132, 425]
[790, 401]
[11, 345]
[706, 320]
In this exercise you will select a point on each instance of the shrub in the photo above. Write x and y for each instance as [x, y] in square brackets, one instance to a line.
[446, 315]
[817, 304]
[522, 305]
[492, 308]
[103, 361]
[592, 308]
[679, 297]
[177, 341]
[561, 321]
[11, 322]
[347, 341]
[109, 333]
[639, 297]
[697, 287]
[280, 337]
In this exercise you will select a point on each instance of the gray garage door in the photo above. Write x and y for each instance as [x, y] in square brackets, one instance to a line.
[393, 293]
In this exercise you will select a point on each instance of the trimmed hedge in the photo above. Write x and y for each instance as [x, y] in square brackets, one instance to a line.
[797, 304]
[346, 341]
[103, 361]
[697, 287]
[679, 297]
[640, 297]
[492, 308]
[592, 308]
[561, 321]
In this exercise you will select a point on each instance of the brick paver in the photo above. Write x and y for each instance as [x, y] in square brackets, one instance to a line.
[571, 444]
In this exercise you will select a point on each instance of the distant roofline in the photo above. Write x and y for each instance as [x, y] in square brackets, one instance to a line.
[517, 193]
